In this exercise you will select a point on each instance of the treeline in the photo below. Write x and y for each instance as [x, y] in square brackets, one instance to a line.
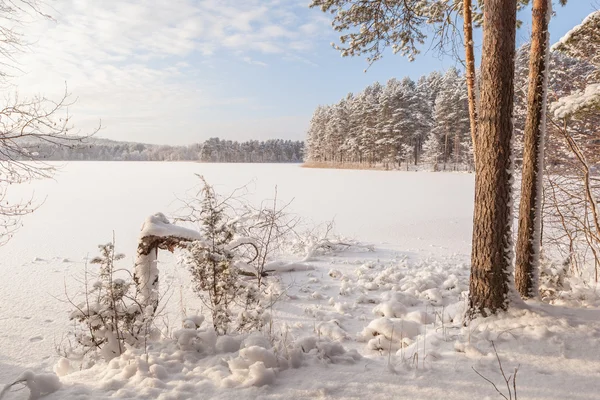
[400, 122]
[408, 124]
[274, 151]
[212, 150]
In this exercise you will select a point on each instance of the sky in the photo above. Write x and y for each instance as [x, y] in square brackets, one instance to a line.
[181, 71]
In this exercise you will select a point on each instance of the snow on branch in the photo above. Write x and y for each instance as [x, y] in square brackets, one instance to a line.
[583, 41]
[580, 101]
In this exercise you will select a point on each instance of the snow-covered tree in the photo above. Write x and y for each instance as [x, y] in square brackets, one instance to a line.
[386, 125]
[210, 260]
[582, 42]
[451, 119]
[433, 151]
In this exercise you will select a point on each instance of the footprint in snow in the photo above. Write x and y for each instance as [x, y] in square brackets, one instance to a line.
[544, 372]
[38, 338]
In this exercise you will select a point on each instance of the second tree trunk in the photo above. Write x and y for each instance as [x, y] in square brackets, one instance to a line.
[529, 238]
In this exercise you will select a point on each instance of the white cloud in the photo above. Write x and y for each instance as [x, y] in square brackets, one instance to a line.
[134, 63]
[250, 61]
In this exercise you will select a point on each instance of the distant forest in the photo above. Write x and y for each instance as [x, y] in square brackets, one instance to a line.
[213, 150]
[426, 123]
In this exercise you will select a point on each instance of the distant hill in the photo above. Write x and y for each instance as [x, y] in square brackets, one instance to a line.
[212, 150]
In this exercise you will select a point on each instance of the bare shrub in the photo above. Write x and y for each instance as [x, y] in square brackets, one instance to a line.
[510, 381]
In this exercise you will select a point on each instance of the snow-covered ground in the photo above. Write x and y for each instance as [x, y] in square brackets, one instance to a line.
[338, 320]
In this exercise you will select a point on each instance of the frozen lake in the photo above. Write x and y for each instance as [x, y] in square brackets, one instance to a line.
[87, 201]
[420, 212]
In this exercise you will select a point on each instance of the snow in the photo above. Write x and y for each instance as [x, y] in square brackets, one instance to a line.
[227, 344]
[333, 325]
[390, 309]
[580, 42]
[575, 31]
[38, 385]
[282, 266]
[568, 105]
[159, 225]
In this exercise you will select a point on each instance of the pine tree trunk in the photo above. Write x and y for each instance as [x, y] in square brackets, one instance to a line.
[445, 149]
[456, 150]
[491, 252]
[529, 238]
[416, 152]
[470, 71]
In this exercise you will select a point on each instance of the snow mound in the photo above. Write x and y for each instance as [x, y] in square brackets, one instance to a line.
[282, 266]
[259, 375]
[39, 385]
[390, 333]
[331, 352]
[390, 309]
[193, 322]
[335, 274]
[192, 337]
[256, 339]
[165, 370]
[420, 317]
[63, 367]
[255, 354]
[332, 330]
[227, 344]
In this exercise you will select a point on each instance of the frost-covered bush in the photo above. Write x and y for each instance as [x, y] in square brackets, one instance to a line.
[251, 316]
[231, 261]
[108, 315]
[212, 259]
[214, 279]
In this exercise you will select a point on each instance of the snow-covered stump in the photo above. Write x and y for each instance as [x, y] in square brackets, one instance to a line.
[157, 233]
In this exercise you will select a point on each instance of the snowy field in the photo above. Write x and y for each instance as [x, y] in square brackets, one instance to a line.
[359, 324]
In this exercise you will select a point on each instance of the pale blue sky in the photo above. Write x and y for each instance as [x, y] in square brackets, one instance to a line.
[181, 71]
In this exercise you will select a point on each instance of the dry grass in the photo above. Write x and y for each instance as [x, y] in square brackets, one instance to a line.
[382, 167]
[335, 165]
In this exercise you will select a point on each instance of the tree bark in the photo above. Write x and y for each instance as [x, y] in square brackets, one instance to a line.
[445, 149]
[529, 233]
[146, 274]
[470, 72]
[456, 150]
[491, 252]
